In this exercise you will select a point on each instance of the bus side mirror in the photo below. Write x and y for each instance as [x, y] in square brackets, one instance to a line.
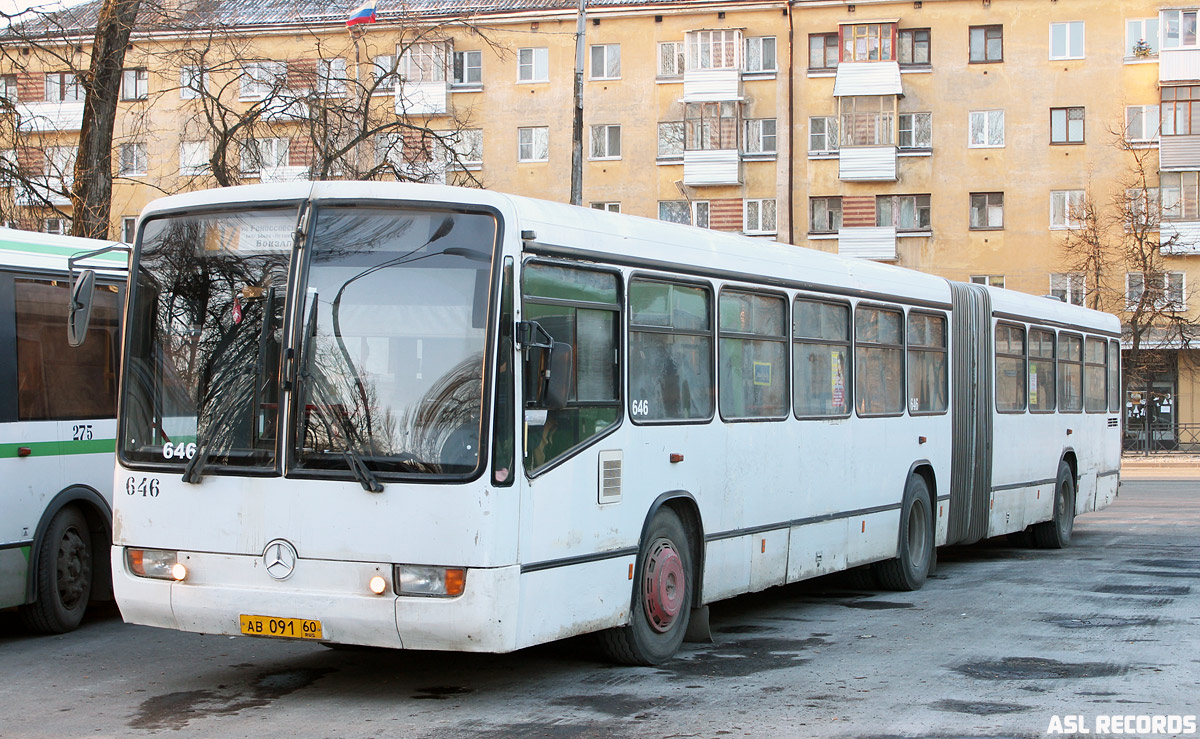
[559, 381]
[79, 313]
[549, 367]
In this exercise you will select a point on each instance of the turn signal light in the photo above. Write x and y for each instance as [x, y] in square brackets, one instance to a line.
[377, 585]
[159, 564]
[435, 582]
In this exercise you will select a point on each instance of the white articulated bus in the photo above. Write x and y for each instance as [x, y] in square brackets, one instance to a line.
[57, 430]
[435, 418]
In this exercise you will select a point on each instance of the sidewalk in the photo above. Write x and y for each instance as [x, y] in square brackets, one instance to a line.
[1160, 467]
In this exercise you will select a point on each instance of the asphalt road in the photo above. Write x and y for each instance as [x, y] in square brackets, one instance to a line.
[999, 642]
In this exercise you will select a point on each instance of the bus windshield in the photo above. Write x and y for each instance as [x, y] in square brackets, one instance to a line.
[393, 340]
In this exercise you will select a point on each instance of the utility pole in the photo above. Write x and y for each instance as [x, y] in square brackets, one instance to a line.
[577, 124]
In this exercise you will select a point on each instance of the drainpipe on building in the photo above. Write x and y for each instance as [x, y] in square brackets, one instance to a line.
[577, 123]
[791, 128]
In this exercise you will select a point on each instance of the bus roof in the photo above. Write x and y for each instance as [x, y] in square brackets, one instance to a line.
[636, 240]
[41, 251]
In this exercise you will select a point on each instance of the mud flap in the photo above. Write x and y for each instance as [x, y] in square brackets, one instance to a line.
[698, 630]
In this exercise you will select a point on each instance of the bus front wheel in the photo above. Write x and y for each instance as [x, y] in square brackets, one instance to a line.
[662, 596]
[909, 570]
[64, 575]
[1056, 533]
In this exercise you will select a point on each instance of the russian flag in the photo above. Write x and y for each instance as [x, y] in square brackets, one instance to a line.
[364, 13]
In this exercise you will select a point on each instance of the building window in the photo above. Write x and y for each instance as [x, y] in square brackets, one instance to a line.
[1155, 291]
[759, 217]
[670, 140]
[463, 148]
[1141, 123]
[192, 82]
[1066, 125]
[533, 65]
[1179, 104]
[606, 61]
[193, 157]
[987, 210]
[606, 142]
[128, 229]
[670, 59]
[132, 159]
[710, 126]
[700, 213]
[135, 84]
[1180, 196]
[674, 211]
[913, 47]
[760, 54]
[55, 226]
[610, 207]
[383, 73]
[1141, 38]
[916, 131]
[1068, 287]
[870, 42]
[904, 212]
[1178, 29]
[1066, 40]
[986, 129]
[468, 67]
[822, 135]
[1066, 208]
[60, 167]
[331, 76]
[713, 49]
[867, 120]
[260, 79]
[389, 152]
[822, 51]
[990, 280]
[63, 87]
[752, 355]
[824, 215]
[8, 87]
[987, 44]
[760, 136]
[262, 154]
[533, 144]
[1142, 209]
[424, 62]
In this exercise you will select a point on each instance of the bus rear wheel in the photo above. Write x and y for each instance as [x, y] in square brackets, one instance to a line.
[1056, 533]
[64, 575]
[909, 570]
[662, 596]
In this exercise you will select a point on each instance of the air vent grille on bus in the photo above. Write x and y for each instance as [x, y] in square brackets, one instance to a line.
[1114, 422]
[610, 477]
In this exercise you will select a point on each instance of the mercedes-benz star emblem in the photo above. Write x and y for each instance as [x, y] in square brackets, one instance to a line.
[279, 559]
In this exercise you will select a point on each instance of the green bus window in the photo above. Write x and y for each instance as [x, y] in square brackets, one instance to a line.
[820, 356]
[753, 355]
[878, 361]
[928, 375]
[670, 351]
[1010, 368]
[1095, 374]
[1070, 373]
[1041, 371]
[1114, 376]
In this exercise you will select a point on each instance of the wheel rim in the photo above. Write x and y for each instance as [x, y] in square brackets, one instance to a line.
[73, 569]
[1063, 512]
[664, 584]
[918, 528]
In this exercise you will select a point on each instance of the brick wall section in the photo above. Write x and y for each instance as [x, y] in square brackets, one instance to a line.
[301, 74]
[858, 211]
[31, 161]
[725, 215]
[31, 87]
[300, 152]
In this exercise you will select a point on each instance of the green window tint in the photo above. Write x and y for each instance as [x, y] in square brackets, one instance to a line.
[1010, 368]
[878, 361]
[1095, 395]
[1114, 377]
[1070, 373]
[1041, 371]
[670, 352]
[928, 375]
[753, 355]
[579, 307]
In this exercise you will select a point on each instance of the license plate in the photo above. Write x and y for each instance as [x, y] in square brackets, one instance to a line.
[286, 628]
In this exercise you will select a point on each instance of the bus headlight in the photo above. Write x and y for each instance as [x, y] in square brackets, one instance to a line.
[436, 582]
[156, 563]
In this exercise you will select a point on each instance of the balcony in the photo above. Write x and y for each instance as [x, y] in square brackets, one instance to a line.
[42, 117]
[874, 242]
[711, 167]
[867, 78]
[1179, 152]
[712, 85]
[281, 111]
[421, 98]
[1179, 65]
[33, 193]
[282, 174]
[1186, 236]
[867, 164]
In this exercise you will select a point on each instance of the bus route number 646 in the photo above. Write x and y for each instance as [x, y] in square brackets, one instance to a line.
[147, 487]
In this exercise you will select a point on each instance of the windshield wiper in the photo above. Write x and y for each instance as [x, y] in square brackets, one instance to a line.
[362, 473]
[193, 471]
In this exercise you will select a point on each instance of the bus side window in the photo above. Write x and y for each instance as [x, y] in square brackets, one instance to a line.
[582, 308]
[670, 351]
[1114, 376]
[821, 358]
[879, 360]
[1010, 368]
[927, 367]
[1070, 373]
[1095, 399]
[753, 353]
[1041, 371]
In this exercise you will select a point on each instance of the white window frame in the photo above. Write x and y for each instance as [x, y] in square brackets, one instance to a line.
[55, 226]
[602, 147]
[678, 136]
[533, 65]
[1069, 285]
[988, 119]
[467, 64]
[1145, 114]
[675, 54]
[279, 147]
[8, 87]
[189, 153]
[912, 130]
[259, 79]
[388, 148]
[1164, 28]
[1067, 51]
[611, 207]
[760, 216]
[605, 55]
[701, 212]
[701, 46]
[132, 159]
[464, 148]
[1062, 202]
[760, 44]
[382, 75]
[193, 80]
[331, 77]
[1174, 297]
[58, 84]
[60, 166]
[832, 139]
[529, 140]
[990, 280]
[1136, 30]
[757, 141]
[128, 229]
[423, 61]
[681, 206]
[136, 79]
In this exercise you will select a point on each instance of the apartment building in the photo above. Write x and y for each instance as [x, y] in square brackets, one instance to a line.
[958, 137]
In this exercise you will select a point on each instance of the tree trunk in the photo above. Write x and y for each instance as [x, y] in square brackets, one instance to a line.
[91, 193]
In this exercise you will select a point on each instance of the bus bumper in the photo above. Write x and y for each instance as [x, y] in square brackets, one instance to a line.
[220, 588]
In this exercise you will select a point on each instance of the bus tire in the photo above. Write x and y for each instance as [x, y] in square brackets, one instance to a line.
[662, 596]
[64, 575]
[1056, 533]
[909, 570]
